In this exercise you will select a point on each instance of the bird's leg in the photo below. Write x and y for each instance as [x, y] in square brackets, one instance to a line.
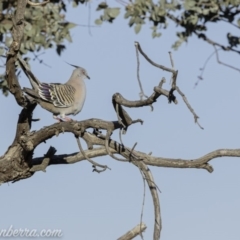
[57, 118]
[67, 119]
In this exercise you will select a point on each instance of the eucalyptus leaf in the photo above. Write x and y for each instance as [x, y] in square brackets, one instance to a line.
[71, 25]
[137, 28]
[2, 51]
[98, 21]
[113, 12]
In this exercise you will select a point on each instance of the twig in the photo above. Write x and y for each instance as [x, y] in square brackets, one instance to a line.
[141, 94]
[130, 154]
[233, 24]
[150, 61]
[36, 57]
[224, 64]
[95, 164]
[133, 232]
[172, 63]
[204, 66]
[38, 4]
[118, 116]
[107, 148]
[143, 202]
[208, 40]
[171, 60]
[157, 213]
[174, 76]
[120, 136]
[189, 107]
[218, 60]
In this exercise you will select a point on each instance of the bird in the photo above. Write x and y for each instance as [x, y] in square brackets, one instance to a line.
[60, 99]
[233, 40]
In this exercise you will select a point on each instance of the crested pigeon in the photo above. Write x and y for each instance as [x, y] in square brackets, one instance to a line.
[60, 99]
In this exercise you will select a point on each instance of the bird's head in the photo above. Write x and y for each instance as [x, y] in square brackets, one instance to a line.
[79, 72]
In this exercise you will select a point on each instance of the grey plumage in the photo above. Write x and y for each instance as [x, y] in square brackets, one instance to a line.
[60, 99]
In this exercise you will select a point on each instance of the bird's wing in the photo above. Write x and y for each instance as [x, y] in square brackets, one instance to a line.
[60, 95]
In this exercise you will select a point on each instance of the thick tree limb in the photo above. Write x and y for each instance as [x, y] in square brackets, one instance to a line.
[199, 163]
[152, 187]
[17, 33]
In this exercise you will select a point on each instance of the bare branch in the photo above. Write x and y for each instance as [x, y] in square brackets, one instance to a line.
[158, 91]
[208, 40]
[95, 164]
[172, 63]
[142, 94]
[204, 66]
[115, 147]
[150, 61]
[218, 60]
[144, 196]
[133, 232]
[152, 187]
[189, 107]
[224, 64]
[107, 140]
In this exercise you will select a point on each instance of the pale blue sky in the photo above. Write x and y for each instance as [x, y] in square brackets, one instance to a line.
[195, 205]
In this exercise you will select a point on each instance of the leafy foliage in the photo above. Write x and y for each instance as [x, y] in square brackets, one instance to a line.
[109, 14]
[46, 26]
[191, 15]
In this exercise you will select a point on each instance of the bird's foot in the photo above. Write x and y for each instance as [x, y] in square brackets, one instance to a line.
[63, 119]
[67, 119]
[57, 118]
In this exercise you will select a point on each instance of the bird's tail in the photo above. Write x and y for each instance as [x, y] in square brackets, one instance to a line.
[33, 79]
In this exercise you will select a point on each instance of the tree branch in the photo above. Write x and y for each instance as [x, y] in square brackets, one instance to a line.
[133, 232]
[17, 34]
[126, 152]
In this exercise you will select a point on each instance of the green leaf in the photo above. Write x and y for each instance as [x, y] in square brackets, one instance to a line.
[2, 51]
[113, 12]
[154, 34]
[127, 14]
[71, 25]
[8, 41]
[7, 25]
[74, 4]
[132, 21]
[205, 11]
[105, 16]
[68, 37]
[137, 28]
[98, 21]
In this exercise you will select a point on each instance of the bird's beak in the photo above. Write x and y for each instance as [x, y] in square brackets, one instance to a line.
[87, 76]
